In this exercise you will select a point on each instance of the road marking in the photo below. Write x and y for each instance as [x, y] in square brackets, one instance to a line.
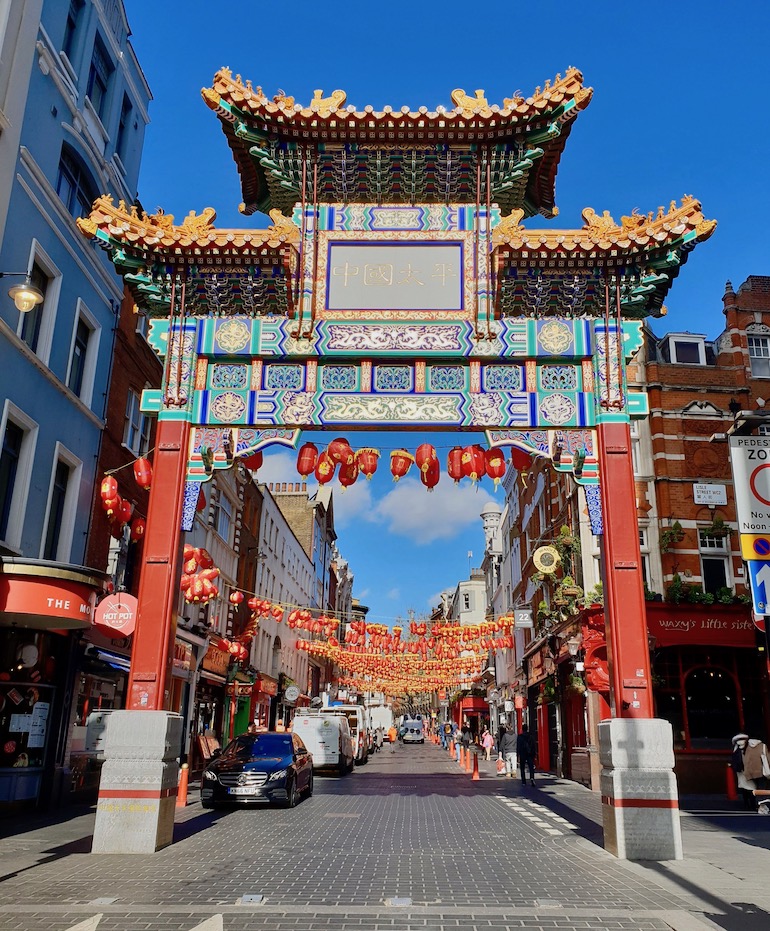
[90, 924]
[215, 923]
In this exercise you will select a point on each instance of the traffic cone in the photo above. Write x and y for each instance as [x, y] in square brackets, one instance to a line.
[181, 792]
[462, 757]
[475, 777]
[452, 748]
[468, 754]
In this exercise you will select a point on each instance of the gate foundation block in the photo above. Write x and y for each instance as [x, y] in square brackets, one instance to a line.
[138, 786]
[640, 802]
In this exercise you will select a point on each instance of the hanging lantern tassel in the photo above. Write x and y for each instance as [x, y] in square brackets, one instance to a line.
[427, 462]
[400, 463]
[367, 460]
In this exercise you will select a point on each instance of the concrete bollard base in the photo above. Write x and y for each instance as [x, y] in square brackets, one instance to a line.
[138, 786]
[640, 802]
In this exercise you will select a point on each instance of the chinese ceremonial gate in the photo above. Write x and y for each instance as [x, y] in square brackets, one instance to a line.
[398, 289]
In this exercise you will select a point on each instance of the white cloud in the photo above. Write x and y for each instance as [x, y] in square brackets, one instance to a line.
[353, 503]
[394, 594]
[410, 510]
[279, 467]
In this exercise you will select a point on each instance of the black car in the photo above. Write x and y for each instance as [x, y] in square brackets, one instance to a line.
[267, 767]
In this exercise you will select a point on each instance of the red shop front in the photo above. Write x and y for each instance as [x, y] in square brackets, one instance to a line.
[709, 681]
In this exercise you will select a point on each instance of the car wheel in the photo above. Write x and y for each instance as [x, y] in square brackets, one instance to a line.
[208, 804]
[291, 794]
[343, 768]
[309, 789]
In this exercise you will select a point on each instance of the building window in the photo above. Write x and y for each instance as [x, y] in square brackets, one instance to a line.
[71, 28]
[121, 142]
[13, 438]
[223, 517]
[78, 360]
[687, 350]
[74, 185]
[136, 435]
[99, 79]
[644, 549]
[714, 568]
[56, 510]
[85, 347]
[31, 322]
[466, 602]
[759, 356]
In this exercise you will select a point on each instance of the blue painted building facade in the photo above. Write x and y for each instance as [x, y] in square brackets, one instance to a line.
[73, 112]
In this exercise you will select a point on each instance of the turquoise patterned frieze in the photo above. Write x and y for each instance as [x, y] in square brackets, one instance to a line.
[502, 377]
[447, 378]
[397, 218]
[229, 375]
[339, 377]
[558, 377]
[393, 378]
[285, 377]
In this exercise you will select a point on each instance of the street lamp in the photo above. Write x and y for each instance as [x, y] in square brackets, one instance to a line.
[25, 296]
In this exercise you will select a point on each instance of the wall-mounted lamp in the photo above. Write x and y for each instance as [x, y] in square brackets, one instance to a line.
[25, 296]
[574, 644]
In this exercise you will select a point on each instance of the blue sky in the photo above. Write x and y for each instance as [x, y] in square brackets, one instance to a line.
[678, 108]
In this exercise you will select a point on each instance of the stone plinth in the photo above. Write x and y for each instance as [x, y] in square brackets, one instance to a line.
[137, 791]
[640, 802]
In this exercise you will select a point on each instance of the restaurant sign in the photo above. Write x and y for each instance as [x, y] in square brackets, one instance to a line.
[700, 625]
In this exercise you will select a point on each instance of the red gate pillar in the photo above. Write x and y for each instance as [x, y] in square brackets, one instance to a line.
[627, 647]
[640, 803]
[152, 653]
[139, 778]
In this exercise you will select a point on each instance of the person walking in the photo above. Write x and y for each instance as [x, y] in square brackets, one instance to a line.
[393, 737]
[507, 749]
[458, 737]
[487, 742]
[526, 754]
[751, 764]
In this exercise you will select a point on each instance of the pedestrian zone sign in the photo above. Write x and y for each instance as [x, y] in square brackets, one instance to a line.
[750, 457]
[759, 577]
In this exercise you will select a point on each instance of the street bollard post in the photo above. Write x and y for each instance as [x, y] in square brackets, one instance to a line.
[181, 792]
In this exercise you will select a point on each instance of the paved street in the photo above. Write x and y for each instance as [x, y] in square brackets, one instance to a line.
[406, 843]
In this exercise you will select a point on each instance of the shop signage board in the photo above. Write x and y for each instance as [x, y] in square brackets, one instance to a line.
[750, 458]
[115, 615]
[673, 625]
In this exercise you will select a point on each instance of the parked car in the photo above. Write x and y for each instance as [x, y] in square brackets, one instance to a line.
[327, 737]
[266, 767]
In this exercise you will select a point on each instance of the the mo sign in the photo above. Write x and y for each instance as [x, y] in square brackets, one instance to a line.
[750, 457]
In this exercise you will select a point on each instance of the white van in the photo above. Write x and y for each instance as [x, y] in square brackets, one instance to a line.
[327, 737]
[358, 722]
[412, 731]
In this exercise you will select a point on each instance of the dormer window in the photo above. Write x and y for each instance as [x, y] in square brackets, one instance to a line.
[686, 349]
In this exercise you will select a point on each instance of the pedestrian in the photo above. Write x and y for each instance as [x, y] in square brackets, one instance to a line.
[280, 726]
[379, 738]
[466, 736]
[458, 737]
[526, 754]
[507, 750]
[751, 762]
[487, 742]
[393, 737]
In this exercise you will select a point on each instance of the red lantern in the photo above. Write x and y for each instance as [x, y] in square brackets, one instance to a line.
[236, 598]
[138, 527]
[520, 460]
[348, 474]
[454, 463]
[306, 459]
[495, 465]
[109, 488]
[474, 462]
[324, 469]
[112, 506]
[254, 461]
[367, 460]
[400, 463]
[427, 462]
[339, 451]
[143, 473]
[124, 512]
[116, 529]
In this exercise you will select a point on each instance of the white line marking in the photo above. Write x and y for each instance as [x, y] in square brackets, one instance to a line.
[215, 923]
[90, 924]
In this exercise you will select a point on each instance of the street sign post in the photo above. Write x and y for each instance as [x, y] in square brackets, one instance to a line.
[759, 578]
[750, 458]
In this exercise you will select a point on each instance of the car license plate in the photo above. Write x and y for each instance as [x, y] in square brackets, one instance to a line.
[244, 790]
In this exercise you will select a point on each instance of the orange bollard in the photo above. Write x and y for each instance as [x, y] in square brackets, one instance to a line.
[181, 792]
[462, 757]
[452, 748]
[468, 763]
[732, 788]
[475, 777]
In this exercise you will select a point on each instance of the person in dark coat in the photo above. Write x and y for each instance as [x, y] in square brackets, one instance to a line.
[507, 748]
[526, 754]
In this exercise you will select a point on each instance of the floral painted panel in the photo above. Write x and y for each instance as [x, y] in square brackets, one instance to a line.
[447, 378]
[227, 375]
[393, 378]
[339, 378]
[284, 377]
[502, 378]
[558, 377]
